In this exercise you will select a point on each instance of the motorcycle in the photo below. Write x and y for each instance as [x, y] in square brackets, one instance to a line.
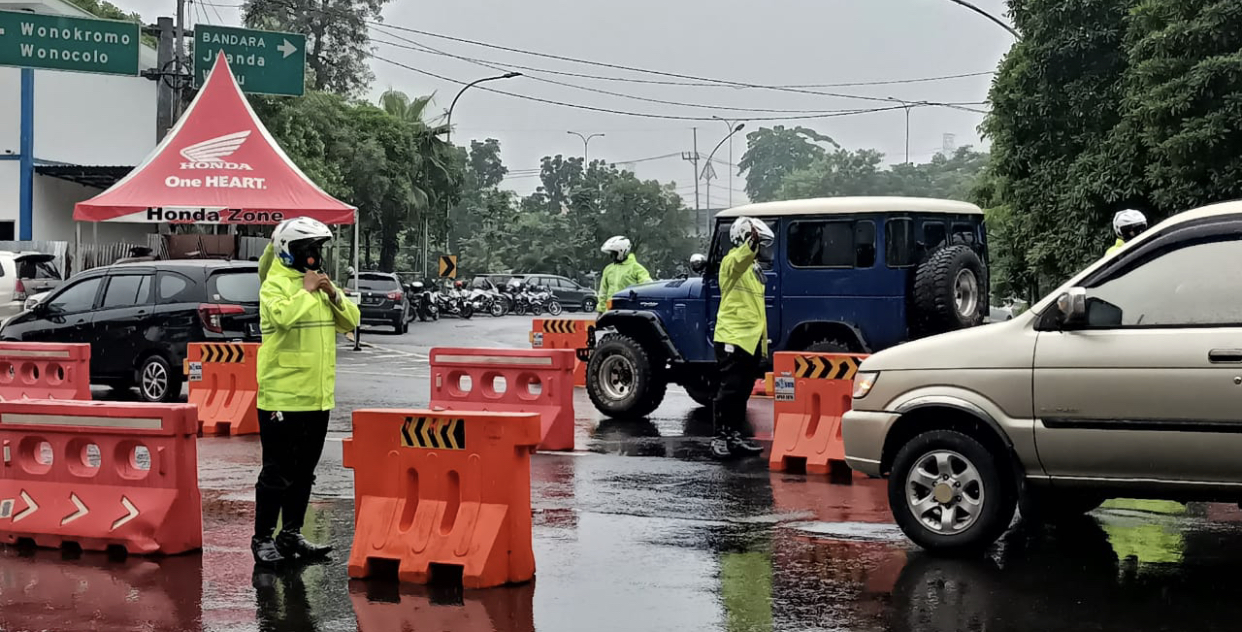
[425, 306]
[454, 301]
[535, 301]
[488, 302]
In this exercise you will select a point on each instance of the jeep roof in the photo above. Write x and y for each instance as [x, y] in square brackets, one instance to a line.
[852, 205]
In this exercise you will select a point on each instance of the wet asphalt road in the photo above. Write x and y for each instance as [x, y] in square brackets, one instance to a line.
[639, 530]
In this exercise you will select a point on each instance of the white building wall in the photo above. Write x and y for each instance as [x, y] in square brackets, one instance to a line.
[53, 217]
[8, 190]
[10, 111]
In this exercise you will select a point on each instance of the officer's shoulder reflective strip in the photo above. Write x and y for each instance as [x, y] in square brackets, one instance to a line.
[435, 433]
[826, 367]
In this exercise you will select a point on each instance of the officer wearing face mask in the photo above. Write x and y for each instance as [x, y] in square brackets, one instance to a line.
[300, 313]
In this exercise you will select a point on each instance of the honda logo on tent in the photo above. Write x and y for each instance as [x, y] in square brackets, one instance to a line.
[210, 154]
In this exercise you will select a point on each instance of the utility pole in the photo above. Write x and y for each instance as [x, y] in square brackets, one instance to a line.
[179, 54]
[164, 86]
[693, 159]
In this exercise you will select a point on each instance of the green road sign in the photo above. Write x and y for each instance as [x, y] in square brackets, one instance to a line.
[264, 62]
[56, 42]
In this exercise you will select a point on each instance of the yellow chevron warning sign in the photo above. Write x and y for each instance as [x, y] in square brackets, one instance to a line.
[826, 367]
[560, 326]
[433, 433]
[223, 353]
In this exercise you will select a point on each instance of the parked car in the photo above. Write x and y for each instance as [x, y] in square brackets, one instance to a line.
[1123, 382]
[844, 274]
[572, 295]
[139, 317]
[384, 300]
[23, 274]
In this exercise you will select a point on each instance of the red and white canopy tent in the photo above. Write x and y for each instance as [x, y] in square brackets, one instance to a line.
[218, 165]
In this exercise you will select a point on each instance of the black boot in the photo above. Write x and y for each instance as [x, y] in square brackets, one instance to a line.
[741, 446]
[720, 447]
[292, 544]
[265, 552]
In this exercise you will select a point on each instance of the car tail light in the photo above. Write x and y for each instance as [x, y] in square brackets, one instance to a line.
[19, 292]
[395, 296]
[212, 315]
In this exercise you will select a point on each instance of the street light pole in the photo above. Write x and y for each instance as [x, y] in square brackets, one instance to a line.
[586, 144]
[709, 161]
[729, 124]
[989, 16]
[907, 106]
[448, 138]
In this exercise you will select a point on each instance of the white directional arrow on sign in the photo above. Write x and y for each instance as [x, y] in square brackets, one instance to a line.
[132, 513]
[287, 48]
[31, 507]
[82, 510]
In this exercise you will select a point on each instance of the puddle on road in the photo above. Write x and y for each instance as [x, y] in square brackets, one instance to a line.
[865, 531]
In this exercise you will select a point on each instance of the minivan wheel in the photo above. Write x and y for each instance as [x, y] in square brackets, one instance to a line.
[157, 382]
[949, 494]
[622, 379]
[589, 304]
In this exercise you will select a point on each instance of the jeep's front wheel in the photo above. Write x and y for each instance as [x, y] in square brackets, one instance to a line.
[622, 378]
[949, 494]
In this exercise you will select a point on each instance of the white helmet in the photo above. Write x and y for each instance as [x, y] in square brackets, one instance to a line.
[299, 242]
[619, 246]
[1129, 223]
[741, 229]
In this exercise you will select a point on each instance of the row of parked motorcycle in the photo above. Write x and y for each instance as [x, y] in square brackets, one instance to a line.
[454, 299]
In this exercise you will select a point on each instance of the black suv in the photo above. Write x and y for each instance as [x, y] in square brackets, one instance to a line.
[383, 300]
[139, 317]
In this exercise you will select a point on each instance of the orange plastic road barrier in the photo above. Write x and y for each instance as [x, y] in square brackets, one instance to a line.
[440, 488]
[509, 381]
[564, 333]
[39, 370]
[100, 474]
[813, 391]
[224, 385]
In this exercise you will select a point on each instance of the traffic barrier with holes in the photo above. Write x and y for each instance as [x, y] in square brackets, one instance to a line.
[565, 333]
[813, 391]
[440, 489]
[224, 385]
[509, 381]
[42, 370]
[101, 475]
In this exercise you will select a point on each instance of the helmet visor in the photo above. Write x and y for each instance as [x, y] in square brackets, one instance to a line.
[307, 254]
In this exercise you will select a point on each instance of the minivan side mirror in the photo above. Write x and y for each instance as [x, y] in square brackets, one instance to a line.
[1072, 307]
[698, 263]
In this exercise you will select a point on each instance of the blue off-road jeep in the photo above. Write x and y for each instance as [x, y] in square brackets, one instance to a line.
[844, 274]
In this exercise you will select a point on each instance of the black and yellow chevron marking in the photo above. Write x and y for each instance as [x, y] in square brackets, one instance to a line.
[433, 432]
[223, 353]
[560, 326]
[826, 367]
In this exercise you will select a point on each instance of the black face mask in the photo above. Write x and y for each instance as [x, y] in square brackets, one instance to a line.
[307, 254]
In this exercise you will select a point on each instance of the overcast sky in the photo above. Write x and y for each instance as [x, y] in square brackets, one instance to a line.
[778, 42]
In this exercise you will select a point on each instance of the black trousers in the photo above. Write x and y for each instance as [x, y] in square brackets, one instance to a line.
[735, 381]
[292, 444]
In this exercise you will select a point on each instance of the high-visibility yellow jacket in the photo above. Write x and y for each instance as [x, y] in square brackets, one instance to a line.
[297, 361]
[1115, 247]
[617, 277]
[742, 316]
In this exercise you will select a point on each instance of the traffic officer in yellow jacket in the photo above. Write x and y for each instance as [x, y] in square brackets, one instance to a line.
[623, 272]
[1127, 224]
[741, 337]
[300, 313]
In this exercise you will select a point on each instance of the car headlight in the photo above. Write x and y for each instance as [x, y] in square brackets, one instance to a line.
[863, 382]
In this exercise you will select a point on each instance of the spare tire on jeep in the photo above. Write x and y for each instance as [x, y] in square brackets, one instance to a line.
[950, 290]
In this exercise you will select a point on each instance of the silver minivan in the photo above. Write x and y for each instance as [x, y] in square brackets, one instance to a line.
[1124, 382]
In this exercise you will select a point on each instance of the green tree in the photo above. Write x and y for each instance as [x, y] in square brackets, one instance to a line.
[337, 39]
[485, 164]
[1055, 104]
[861, 172]
[1183, 102]
[774, 152]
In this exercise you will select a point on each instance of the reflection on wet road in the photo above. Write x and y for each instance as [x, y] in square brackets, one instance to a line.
[639, 530]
